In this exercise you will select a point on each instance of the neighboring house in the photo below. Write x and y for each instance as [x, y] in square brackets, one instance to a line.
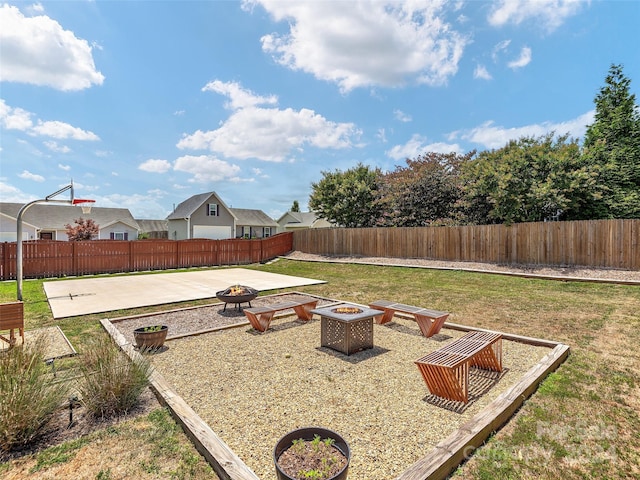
[153, 228]
[46, 221]
[292, 221]
[206, 216]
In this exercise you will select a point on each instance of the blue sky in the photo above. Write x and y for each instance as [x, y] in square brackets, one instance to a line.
[145, 103]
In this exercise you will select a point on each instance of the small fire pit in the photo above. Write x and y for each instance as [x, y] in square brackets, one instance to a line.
[237, 294]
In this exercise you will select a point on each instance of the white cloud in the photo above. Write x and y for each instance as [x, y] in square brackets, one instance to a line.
[523, 60]
[269, 134]
[491, 136]
[27, 175]
[56, 129]
[550, 14]
[403, 117]
[365, 43]
[16, 195]
[155, 166]
[14, 118]
[259, 173]
[140, 206]
[66, 168]
[238, 96]
[499, 48]
[19, 119]
[205, 168]
[417, 146]
[39, 51]
[55, 147]
[482, 73]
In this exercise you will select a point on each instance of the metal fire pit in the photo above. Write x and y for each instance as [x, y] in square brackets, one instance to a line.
[346, 328]
[237, 294]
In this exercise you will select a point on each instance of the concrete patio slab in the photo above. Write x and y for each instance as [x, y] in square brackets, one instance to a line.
[69, 298]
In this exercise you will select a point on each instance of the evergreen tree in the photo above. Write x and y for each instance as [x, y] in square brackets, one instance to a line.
[527, 180]
[295, 207]
[612, 148]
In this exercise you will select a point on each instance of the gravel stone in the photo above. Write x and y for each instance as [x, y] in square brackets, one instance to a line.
[252, 388]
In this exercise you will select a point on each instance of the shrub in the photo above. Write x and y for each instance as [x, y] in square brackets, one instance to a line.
[29, 395]
[111, 383]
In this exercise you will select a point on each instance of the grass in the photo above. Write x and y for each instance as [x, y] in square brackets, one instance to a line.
[583, 422]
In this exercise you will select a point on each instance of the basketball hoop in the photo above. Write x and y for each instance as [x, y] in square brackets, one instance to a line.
[84, 204]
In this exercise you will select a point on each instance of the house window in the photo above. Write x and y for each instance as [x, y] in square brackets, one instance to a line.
[119, 235]
[267, 232]
[213, 210]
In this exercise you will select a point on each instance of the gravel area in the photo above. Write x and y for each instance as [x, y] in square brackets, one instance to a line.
[581, 273]
[253, 388]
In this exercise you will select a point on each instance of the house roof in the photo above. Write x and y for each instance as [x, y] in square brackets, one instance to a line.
[191, 204]
[243, 216]
[147, 225]
[55, 217]
[253, 218]
[299, 219]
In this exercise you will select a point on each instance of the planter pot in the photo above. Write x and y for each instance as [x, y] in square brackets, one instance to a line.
[150, 340]
[308, 434]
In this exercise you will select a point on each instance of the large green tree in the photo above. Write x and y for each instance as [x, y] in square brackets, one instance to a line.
[612, 148]
[527, 180]
[349, 198]
[425, 192]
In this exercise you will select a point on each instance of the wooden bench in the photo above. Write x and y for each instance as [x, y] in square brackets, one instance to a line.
[12, 319]
[260, 317]
[429, 321]
[446, 371]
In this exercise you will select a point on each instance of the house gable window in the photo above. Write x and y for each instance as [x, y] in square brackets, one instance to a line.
[213, 210]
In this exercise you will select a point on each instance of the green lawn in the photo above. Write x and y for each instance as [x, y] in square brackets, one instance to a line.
[583, 422]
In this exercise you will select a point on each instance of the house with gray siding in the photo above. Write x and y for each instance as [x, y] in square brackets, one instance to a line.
[206, 215]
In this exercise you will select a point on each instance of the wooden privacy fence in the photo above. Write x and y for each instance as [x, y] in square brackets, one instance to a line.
[594, 243]
[44, 258]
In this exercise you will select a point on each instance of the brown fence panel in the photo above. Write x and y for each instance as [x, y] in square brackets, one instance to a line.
[277, 245]
[47, 259]
[239, 251]
[198, 253]
[154, 254]
[101, 256]
[597, 243]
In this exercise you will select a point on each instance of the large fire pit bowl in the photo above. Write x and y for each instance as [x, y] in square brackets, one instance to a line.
[237, 294]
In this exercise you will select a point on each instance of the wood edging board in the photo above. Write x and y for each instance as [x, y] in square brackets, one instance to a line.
[436, 465]
[226, 464]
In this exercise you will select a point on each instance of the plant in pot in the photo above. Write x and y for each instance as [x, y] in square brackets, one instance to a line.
[314, 453]
[151, 337]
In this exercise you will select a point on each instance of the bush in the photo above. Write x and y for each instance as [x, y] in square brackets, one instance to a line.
[111, 383]
[29, 395]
